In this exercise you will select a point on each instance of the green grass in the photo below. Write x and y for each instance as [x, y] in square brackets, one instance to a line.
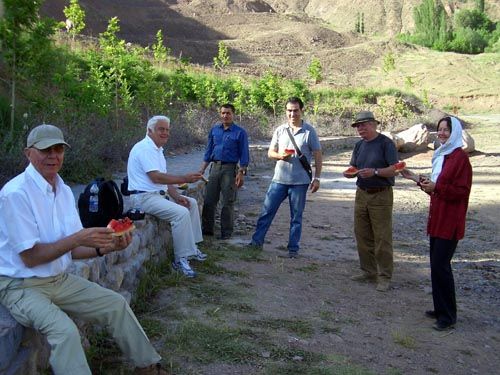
[206, 344]
[299, 327]
[404, 340]
[313, 267]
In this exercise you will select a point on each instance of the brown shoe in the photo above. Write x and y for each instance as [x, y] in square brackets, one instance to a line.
[365, 277]
[383, 285]
[154, 369]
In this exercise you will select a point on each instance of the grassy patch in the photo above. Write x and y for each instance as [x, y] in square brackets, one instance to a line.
[404, 340]
[313, 267]
[213, 293]
[103, 354]
[153, 327]
[327, 238]
[155, 277]
[299, 327]
[206, 344]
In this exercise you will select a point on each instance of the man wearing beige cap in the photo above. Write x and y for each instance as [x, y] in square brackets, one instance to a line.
[40, 234]
[374, 156]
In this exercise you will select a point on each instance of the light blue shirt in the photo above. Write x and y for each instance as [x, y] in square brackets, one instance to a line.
[290, 171]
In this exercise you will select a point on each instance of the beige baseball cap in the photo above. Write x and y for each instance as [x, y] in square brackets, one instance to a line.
[44, 136]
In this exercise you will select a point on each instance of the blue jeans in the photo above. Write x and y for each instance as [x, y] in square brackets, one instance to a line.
[275, 195]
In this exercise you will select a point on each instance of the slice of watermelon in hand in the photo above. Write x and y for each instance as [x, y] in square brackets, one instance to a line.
[121, 226]
[399, 166]
[351, 171]
[290, 151]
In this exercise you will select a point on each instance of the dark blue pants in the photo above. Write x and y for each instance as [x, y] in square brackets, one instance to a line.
[443, 285]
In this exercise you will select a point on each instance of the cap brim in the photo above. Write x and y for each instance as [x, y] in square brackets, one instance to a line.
[354, 124]
[46, 143]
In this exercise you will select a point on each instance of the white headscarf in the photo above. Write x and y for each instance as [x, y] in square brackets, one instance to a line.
[454, 142]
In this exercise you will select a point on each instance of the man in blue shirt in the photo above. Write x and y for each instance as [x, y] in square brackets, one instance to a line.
[227, 145]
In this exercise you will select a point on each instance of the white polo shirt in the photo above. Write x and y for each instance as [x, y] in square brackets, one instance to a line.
[31, 213]
[145, 157]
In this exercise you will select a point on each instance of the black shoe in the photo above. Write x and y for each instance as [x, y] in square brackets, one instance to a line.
[440, 326]
[293, 254]
[207, 233]
[253, 246]
[224, 237]
[431, 314]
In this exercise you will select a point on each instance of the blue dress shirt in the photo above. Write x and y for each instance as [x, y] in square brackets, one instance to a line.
[229, 146]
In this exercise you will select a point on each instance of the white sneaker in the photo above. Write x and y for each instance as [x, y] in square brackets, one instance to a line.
[183, 266]
[199, 256]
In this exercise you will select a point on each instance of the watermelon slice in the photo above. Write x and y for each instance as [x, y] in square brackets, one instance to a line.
[121, 226]
[351, 171]
[289, 151]
[399, 166]
[183, 186]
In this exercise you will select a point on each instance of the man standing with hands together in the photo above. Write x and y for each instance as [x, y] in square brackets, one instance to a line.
[227, 145]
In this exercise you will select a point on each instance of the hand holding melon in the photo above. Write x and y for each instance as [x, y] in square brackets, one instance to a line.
[121, 226]
[398, 167]
[351, 172]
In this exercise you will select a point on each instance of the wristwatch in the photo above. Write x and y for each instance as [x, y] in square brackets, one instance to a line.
[317, 178]
[376, 172]
[242, 171]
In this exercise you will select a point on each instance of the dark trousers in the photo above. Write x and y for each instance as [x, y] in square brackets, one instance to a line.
[221, 181]
[443, 285]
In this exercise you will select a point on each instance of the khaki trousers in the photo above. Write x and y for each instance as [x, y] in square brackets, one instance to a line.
[43, 304]
[373, 231]
[185, 222]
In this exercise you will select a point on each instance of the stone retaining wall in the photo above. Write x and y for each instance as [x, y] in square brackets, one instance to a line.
[23, 351]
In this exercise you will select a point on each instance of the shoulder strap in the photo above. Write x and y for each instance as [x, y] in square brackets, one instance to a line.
[293, 141]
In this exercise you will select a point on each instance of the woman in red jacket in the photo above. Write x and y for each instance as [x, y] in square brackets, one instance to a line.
[449, 188]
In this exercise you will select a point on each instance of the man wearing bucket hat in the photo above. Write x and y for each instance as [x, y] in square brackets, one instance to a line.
[374, 156]
[40, 234]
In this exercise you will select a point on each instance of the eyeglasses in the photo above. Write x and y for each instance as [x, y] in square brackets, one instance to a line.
[58, 149]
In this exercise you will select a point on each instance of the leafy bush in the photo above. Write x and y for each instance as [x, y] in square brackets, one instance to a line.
[467, 40]
[471, 33]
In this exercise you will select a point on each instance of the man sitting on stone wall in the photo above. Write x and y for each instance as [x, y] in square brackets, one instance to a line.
[40, 234]
[148, 179]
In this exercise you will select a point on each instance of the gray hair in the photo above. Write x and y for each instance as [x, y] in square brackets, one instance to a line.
[154, 120]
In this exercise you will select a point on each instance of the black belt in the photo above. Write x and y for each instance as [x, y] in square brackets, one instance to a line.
[161, 192]
[222, 162]
[373, 190]
[135, 192]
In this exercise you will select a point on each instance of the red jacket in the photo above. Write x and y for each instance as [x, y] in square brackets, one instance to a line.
[450, 197]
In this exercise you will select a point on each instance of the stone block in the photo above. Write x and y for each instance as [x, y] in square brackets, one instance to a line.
[80, 268]
[114, 277]
[11, 333]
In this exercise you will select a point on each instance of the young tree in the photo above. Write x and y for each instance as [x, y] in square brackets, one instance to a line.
[160, 52]
[480, 5]
[75, 18]
[431, 25]
[25, 37]
[315, 70]
[222, 59]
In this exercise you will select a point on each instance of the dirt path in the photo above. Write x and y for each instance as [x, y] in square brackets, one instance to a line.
[262, 313]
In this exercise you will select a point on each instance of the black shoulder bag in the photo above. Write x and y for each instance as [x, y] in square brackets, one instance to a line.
[302, 157]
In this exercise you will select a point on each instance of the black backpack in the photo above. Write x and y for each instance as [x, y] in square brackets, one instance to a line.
[109, 205]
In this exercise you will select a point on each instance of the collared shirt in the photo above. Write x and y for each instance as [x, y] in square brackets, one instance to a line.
[32, 213]
[377, 153]
[145, 157]
[230, 145]
[291, 171]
